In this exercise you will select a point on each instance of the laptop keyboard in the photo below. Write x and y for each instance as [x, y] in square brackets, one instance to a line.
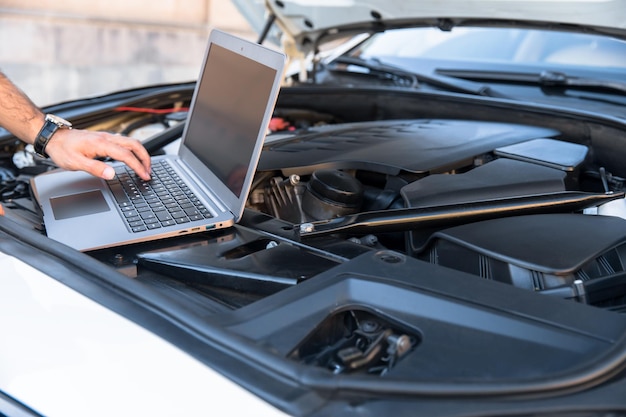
[163, 201]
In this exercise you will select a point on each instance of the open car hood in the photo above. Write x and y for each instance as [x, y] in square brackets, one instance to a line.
[307, 23]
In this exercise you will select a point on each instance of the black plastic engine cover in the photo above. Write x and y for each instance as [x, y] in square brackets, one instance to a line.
[536, 252]
[496, 179]
[417, 146]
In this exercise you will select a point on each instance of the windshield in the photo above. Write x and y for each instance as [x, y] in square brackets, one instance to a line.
[578, 70]
[497, 45]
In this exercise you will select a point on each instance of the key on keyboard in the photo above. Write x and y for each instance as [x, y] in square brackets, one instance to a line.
[161, 202]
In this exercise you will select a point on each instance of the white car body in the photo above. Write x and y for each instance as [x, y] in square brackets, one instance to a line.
[59, 341]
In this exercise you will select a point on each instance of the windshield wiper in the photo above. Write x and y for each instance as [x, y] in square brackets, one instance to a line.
[376, 67]
[560, 79]
[555, 79]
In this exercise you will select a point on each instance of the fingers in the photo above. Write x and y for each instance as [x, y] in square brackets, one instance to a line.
[1, 210]
[96, 168]
[132, 153]
[123, 149]
[76, 149]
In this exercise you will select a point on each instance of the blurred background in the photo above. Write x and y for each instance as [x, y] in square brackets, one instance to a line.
[58, 50]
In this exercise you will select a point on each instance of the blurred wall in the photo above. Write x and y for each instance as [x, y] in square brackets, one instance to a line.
[57, 50]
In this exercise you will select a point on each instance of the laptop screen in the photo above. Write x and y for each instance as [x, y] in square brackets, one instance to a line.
[224, 126]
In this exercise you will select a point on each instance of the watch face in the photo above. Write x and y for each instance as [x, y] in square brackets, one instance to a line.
[59, 121]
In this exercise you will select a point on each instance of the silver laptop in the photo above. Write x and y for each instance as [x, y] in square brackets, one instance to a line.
[212, 173]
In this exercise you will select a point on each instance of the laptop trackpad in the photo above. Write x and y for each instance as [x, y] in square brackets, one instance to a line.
[81, 204]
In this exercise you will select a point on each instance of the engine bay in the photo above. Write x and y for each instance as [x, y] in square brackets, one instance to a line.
[417, 192]
[485, 198]
[335, 174]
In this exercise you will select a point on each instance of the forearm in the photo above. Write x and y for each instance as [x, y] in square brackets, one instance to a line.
[18, 114]
[73, 149]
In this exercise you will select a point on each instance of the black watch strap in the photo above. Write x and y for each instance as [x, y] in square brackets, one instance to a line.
[50, 126]
[43, 138]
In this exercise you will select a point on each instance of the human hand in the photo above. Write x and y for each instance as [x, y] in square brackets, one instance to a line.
[76, 149]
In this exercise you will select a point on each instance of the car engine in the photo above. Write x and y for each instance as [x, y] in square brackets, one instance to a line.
[491, 199]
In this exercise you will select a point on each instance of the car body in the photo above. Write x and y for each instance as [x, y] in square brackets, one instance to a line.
[428, 233]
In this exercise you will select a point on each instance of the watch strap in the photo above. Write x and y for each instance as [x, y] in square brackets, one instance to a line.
[44, 136]
[51, 124]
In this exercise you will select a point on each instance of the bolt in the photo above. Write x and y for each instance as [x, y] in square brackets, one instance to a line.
[294, 179]
[118, 259]
[369, 326]
[307, 228]
[400, 344]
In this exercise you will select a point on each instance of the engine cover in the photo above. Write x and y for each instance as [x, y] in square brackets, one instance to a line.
[389, 147]
[547, 253]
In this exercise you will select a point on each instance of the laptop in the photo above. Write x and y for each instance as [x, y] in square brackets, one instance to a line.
[213, 169]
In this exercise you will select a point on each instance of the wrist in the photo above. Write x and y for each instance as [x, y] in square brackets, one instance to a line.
[50, 126]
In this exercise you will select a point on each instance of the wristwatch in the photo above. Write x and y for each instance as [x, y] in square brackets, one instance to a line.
[51, 124]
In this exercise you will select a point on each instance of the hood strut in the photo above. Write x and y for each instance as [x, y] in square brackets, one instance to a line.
[266, 28]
